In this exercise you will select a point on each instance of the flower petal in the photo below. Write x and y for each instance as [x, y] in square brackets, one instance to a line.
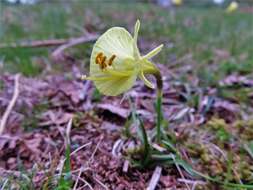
[113, 86]
[146, 81]
[135, 46]
[118, 73]
[115, 41]
[153, 53]
[136, 30]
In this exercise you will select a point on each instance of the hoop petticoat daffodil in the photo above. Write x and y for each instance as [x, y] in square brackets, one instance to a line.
[116, 63]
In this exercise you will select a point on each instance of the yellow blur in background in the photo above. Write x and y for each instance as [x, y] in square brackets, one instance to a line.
[177, 2]
[233, 6]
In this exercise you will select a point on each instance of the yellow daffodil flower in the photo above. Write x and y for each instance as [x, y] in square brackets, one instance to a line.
[233, 6]
[116, 63]
[177, 2]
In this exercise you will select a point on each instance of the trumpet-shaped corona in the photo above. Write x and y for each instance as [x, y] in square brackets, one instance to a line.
[116, 63]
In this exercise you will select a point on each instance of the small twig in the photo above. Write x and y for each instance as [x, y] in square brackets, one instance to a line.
[247, 148]
[81, 147]
[11, 104]
[83, 180]
[39, 43]
[36, 43]
[84, 169]
[77, 179]
[58, 53]
[8, 137]
[68, 129]
[100, 183]
[82, 187]
[219, 150]
[157, 147]
[181, 173]
[4, 184]
[95, 150]
[125, 166]
[61, 164]
[117, 146]
[155, 178]
[191, 182]
[67, 143]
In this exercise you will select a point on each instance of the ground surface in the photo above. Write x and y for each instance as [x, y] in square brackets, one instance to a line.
[207, 64]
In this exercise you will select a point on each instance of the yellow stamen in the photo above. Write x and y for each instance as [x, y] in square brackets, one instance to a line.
[98, 58]
[111, 59]
[101, 60]
[103, 63]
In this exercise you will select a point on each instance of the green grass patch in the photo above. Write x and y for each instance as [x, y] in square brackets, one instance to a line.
[23, 60]
[189, 29]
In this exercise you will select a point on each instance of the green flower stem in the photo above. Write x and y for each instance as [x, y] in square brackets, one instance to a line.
[159, 97]
[159, 115]
[159, 94]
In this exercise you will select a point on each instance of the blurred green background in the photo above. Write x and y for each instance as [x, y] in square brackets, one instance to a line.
[199, 33]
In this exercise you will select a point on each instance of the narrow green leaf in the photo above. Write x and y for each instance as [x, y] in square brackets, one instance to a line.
[170, 145]
[145, 142]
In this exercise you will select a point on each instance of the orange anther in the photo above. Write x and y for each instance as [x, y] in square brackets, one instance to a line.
[111, 59]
